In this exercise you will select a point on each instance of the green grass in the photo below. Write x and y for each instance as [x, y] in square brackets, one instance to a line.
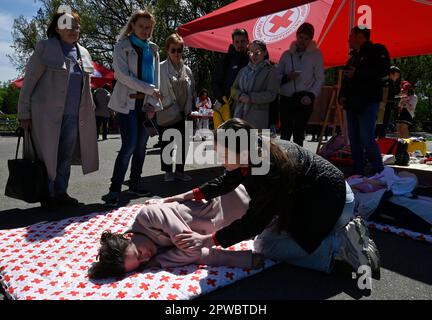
[12, 122]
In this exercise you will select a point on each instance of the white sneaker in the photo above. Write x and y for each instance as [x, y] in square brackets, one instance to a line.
[183, 176]
[170, 177]
[357, 247]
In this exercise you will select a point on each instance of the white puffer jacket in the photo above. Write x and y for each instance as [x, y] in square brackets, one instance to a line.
[311, 78]
[125, 63]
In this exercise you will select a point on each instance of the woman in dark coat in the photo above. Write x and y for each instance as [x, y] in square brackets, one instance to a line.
[302, 208]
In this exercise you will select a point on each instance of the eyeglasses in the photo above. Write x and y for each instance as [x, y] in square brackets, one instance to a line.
[178, 50]
[255, 53]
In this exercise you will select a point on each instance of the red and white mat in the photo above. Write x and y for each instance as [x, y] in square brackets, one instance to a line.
[50, 261]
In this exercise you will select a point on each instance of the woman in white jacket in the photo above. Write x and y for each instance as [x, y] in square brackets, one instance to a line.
[301, 73]
[136, 66]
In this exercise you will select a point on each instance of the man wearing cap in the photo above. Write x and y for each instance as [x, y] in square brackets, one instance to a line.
[361, 92]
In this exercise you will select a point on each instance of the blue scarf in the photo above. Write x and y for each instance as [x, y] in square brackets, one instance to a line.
[147, 70]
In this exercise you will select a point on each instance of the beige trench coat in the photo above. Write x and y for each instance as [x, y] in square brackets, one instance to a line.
[42, 99]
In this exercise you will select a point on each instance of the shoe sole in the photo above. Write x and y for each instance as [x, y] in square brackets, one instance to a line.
[374, 259]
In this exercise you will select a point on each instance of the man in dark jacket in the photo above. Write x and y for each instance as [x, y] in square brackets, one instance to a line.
[228, 67]
[361, 93]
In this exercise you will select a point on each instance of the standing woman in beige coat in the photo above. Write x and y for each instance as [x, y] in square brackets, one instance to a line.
[56, 106]
[178, 91]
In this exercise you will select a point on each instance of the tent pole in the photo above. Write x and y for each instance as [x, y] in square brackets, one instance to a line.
[352, 13]
[324, 34]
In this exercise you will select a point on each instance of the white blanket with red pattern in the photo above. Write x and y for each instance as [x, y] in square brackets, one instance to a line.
[50, 261]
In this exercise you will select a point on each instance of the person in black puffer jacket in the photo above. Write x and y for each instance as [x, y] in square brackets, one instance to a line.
[229, 66]
[361, 91]
[302, 208]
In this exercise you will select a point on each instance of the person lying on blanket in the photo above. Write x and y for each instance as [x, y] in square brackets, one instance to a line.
[149, 242]
[302, 210]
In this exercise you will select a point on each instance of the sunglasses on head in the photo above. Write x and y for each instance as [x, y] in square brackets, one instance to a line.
[178, 50]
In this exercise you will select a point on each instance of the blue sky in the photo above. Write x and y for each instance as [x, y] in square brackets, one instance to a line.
[9, 10]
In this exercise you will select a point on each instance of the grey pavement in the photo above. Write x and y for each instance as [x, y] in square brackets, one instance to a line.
[406, 264]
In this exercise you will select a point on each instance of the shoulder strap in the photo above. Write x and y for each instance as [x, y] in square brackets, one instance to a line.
[20, 133]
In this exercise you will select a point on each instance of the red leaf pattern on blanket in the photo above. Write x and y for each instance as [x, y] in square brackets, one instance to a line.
[211, 282]
[193, 289]
[171, 296]
[50, 261]
[144, 286]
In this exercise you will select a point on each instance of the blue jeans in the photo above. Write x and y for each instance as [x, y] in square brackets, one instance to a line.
[282, 247]
[66, 148]
[361, 132]
[134, 144]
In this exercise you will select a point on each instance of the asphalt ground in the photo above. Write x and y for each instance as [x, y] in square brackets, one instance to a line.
[406, 264]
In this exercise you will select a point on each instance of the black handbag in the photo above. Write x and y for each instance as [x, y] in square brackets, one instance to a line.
[28, 179]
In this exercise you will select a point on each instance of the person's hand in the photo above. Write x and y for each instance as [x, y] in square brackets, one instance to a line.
[293, 75]
[192, 241]
[153, 201]
[176, 198]
[244, 98]
[26, 124]
[306, 100]
[349, 72]
[156, 94]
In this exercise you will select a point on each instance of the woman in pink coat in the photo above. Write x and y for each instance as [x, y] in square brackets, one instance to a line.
[150, 240]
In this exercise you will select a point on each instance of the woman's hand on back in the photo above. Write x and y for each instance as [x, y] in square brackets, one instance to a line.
[191, 241]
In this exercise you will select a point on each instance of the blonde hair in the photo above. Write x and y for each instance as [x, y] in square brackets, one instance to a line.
[175, 38]
[127, 29]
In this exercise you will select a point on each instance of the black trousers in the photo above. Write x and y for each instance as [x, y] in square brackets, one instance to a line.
[181, 148]
[102, 121]
[293, 119]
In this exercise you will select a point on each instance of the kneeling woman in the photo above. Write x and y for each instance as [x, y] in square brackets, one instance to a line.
[303, 205]
[149, 242]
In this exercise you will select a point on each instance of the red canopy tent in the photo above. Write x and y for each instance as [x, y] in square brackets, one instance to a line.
[401, 25]
[100, 77]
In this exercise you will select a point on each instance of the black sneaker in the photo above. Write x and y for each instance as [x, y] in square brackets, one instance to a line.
[111, 199]
[63, 199]
[138, 190]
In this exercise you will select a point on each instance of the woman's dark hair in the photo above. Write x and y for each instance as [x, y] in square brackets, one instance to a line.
[262, 46]
[51, 31]
[278, 157]
[307, 29]
[282, 166]
[202, 91]
[110, 257]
